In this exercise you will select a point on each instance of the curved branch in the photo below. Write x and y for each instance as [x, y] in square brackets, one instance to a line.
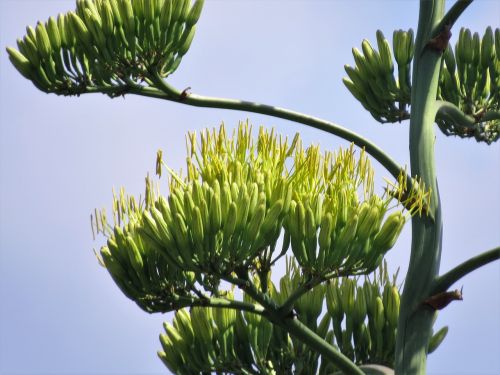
[168, 92]
[302, 289]
[449, 111]
[230, 304]
[305, 287]
[489, 116]
[217, 302]
[294, 327]
[451, 16]
[315, 342]
[446, 280]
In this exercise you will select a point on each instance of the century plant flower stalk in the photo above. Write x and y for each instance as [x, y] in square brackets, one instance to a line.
[242, 197]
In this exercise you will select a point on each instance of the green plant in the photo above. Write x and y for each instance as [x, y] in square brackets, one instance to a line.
[139, 64]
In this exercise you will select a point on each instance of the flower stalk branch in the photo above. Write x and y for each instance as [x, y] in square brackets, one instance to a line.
[446, 280]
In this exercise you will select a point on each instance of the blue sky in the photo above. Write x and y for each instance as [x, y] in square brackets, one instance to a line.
[60, 312]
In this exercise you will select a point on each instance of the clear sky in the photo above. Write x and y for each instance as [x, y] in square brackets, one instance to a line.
[60, 312]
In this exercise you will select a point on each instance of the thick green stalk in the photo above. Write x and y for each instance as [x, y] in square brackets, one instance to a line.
[415, 320]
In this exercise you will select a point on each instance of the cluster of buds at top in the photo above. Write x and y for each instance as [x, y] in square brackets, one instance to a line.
[372, 80]
[330, 228]
[105, 44]
[470, 79]
[365, 317]
[229, 211]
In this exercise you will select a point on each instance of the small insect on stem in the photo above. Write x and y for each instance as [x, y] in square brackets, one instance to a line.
[441, 300]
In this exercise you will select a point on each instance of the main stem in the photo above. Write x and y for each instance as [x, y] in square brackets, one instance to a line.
[415, 320]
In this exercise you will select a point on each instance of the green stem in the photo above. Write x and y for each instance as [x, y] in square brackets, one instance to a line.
[219, 303]
[302, 289]
[415, 322]
[449, 111]
[315, 342]
[168, 92]
[451, 16]
[446, 280]
[232, 304]
[489, 116]
[294, 327]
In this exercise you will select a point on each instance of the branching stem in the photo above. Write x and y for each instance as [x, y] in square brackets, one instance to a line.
[451, 16]
[449, 111]
[293, 326]
[167, 92]
[446, 280]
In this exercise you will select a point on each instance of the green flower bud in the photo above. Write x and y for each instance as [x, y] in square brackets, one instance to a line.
[399, 40]
[333, 302]
[497, 42]
[449, 59]
[20, 62]
[326, 227]
[359, 307]
[43, 41]
[79, 29]
[224, 318]
[437, 339]
[347, 296]
[487, 48]
[182, 323]
[367, 223]
[379, 317]
[465, 46]
[194, 13]
[230, 222]
[392, 310]
[389, 233]
[53, 33]
[202, 322]
[272, 216]
[385, 52]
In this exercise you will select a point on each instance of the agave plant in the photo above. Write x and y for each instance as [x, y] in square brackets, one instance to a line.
[246, 203]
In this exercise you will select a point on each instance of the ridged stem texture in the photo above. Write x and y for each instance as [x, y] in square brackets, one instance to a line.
[415, 320]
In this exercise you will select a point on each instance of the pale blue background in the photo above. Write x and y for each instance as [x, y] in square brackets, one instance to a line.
[60, 313]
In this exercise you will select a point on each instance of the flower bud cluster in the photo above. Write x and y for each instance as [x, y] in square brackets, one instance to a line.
[231, 208]
[106, 44]
[470, 79]
[372, 80]
[206, 340]
[361, 320]
[365, 317]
